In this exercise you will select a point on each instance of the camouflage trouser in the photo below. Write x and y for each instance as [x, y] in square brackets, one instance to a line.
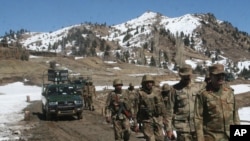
[212, 136]
[186, 136]
[121, 129]
[153, 132]
[85, 101]
[89, 102]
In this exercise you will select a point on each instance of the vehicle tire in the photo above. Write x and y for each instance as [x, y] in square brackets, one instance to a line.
[79, 116]
[43, 112]
[48, 116]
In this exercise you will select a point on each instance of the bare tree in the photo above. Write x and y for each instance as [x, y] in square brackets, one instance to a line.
[179, 58]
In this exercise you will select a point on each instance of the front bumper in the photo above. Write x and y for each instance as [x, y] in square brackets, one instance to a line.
[65, 110]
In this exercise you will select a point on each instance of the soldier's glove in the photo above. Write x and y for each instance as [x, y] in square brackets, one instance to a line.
[108, 119]
[170, 135]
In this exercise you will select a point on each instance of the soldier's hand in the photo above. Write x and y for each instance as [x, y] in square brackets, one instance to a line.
[170, 135]
[136, 128]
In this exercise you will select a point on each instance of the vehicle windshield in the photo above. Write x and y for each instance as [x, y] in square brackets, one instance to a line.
[61, 90]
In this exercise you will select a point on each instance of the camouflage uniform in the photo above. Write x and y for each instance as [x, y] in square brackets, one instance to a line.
[180, 107]
[89, 92]
[215, 110]
[118, 102]
[151, 111]
[84, 94]
[133, 96]
[165, 93]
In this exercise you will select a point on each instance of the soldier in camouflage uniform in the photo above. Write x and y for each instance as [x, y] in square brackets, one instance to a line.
[133, 97]
[120, 106]
[215, 108]
[180, 107]
[165, 93]
[151, 110]
[89, 92]
[84, 94]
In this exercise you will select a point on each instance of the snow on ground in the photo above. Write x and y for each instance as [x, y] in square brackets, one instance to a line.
[13, 100]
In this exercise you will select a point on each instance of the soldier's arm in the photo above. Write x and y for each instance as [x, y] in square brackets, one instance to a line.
[236, 114]
[107, 105]
[198, 117]
[170, 110]
[136, 107]
[94, 91]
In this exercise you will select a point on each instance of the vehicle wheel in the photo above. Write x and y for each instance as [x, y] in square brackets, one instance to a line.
[48, 116]
[79, 116]
[43, 112]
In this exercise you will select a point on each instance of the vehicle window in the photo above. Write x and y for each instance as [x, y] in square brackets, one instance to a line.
[52, 91]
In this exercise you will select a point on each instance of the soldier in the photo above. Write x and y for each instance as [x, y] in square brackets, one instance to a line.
[151, 110]
[165, 93]
[84, 94]
[119, 104]
[215, 108]
[89, 92]
[133, 98]
[180, 107]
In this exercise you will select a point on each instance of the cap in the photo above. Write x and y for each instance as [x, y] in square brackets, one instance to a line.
[216, 69]
[185, 70]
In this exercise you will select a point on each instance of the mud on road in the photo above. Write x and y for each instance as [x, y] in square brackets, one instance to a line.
[91, 128]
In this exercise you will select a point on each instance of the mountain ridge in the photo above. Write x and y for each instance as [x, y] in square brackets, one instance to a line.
[151, 32]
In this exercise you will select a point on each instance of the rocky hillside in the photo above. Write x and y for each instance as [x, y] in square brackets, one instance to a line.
[150, 39]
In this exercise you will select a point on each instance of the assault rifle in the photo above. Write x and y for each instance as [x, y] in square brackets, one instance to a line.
[122, 109]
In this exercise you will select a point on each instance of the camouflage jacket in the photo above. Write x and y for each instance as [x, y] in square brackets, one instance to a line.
[89, 90]
[180, 107]
[150, 106]
[133, 97]
[215, 111]
[114, 101]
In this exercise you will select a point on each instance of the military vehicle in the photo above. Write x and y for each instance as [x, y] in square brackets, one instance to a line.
[60, 98]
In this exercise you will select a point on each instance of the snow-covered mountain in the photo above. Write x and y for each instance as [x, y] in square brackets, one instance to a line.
[140, 28]
[202, 36]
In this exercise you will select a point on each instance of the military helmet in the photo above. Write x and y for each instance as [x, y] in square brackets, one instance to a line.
[90, 82]
[165, 87]
[117, 82]
[185, 70]
[147, 78]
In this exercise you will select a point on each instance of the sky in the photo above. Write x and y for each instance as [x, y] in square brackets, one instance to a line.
[51, 15]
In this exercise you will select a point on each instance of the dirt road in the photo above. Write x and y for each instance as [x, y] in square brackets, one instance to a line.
[91, 128]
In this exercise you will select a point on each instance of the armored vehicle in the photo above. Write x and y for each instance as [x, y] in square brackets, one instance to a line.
[60, 98]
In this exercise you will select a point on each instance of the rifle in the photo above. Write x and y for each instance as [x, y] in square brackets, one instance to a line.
[122, 109]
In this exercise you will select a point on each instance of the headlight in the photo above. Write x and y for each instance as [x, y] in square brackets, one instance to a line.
[78, 102]
[53, 103]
